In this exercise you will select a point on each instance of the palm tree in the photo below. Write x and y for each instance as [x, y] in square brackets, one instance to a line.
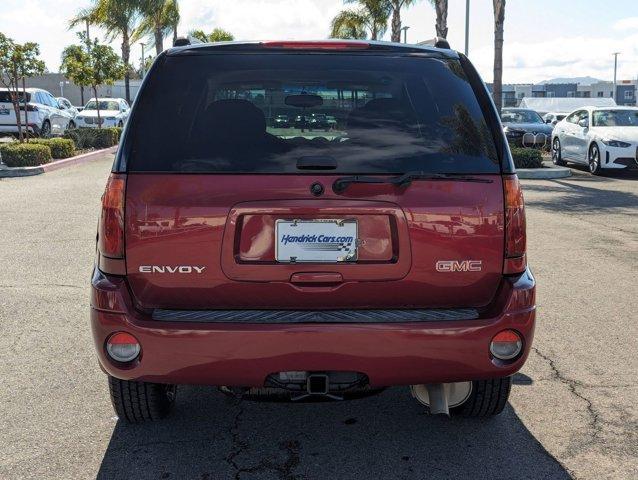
[371, 17]
[396, 6]
[499, 20]
[160, 18]
[120, 19]
[441, 17]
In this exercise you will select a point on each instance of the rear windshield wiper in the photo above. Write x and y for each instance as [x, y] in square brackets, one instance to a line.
[340, 184]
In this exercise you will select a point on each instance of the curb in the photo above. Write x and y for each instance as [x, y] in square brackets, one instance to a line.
[9, 172]
[543, 173]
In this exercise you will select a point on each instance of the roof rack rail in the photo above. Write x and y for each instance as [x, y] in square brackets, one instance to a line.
[438, 42]
[184, 41]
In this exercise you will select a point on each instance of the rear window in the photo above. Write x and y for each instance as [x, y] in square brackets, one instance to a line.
[284, 113]
[5, 97]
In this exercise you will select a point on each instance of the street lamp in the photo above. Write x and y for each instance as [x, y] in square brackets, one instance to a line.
[615, 54]
[143, 61]
[405, 33]
[467, 26]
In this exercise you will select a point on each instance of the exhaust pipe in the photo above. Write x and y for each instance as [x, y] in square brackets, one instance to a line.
[440, 397]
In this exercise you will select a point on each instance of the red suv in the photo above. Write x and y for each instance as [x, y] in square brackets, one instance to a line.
[312, 264]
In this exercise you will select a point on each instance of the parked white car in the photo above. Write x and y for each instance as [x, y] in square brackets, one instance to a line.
[68, 106]
[553, 117]
[113, 113]
[602, 138]
[44, 115]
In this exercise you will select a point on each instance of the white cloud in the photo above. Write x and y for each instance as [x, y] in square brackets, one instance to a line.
[629, 23]
[529, 62]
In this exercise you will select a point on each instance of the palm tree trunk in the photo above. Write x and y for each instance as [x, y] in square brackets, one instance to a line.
[159, 40]
[174, 33]
[396, 21]
[126, 53]
[499, 20]
[441, 18]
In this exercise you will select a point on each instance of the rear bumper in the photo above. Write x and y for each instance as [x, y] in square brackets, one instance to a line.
[244, 355]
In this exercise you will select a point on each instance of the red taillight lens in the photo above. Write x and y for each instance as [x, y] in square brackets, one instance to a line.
[347, 45]
[111, 229]
[515, 236]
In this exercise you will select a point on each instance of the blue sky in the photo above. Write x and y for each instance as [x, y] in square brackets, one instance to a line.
[543, 38]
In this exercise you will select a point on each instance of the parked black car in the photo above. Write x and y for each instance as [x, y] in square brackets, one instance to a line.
[526, 128]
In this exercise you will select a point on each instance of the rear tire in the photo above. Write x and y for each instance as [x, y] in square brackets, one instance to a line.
[137, 402]
[488, 398]
[45, 131]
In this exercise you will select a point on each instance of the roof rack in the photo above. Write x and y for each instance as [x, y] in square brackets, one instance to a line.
[438, 42]
[184, 41]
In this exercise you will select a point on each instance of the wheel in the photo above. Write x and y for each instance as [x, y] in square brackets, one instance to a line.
[488, 398]
[594, 160]
[45, 131]
[137, 402]
[71, 125]
[557, 154]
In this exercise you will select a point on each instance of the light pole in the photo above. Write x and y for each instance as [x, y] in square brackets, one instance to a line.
[615, 54]
[143, 61]
[467, 26]
[405, 33]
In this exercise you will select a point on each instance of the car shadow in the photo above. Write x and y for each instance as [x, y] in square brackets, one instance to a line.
[212, 436]
[582, 194]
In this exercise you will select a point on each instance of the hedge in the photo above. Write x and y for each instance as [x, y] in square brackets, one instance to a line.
[60, 147]
[25, 154]
[527, 157]
[94, 137]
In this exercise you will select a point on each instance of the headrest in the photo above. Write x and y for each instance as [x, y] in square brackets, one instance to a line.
[234, 120]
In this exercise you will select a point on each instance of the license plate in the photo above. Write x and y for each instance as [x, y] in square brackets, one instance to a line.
[319, 241]
[4, 111]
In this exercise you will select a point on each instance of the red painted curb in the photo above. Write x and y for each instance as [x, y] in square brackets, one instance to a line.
[78, 160]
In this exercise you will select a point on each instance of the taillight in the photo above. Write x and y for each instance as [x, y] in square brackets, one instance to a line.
[328, 45]
[515, 236]
[30, 108]
[111, 227]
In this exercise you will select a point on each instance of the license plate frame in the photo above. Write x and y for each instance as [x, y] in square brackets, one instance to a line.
[317, 240]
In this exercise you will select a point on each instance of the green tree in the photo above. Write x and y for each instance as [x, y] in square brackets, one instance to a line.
[217, 35]
[120, 18]
[370, 17]
[31, 66]
[159, 19]
[91, 64]
[18, 61]
[499, 21]
[396, 6]
[440, 6]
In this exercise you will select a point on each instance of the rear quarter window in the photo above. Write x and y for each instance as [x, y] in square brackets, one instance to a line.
[267, 112]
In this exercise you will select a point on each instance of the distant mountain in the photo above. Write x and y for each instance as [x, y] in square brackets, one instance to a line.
[579, 80]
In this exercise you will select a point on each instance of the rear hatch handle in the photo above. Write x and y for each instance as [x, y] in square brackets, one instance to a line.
[340, 184]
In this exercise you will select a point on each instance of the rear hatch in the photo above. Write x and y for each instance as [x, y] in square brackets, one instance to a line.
[7, 112]
[225, 209]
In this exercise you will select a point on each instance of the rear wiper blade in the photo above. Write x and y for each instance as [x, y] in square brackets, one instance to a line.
[340, 184]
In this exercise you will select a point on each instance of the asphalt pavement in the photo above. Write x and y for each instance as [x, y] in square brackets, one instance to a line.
[573, 410]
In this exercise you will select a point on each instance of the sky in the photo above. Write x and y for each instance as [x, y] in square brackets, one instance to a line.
[543, 38]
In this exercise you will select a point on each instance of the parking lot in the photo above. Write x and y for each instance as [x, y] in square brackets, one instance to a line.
[573, 410]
